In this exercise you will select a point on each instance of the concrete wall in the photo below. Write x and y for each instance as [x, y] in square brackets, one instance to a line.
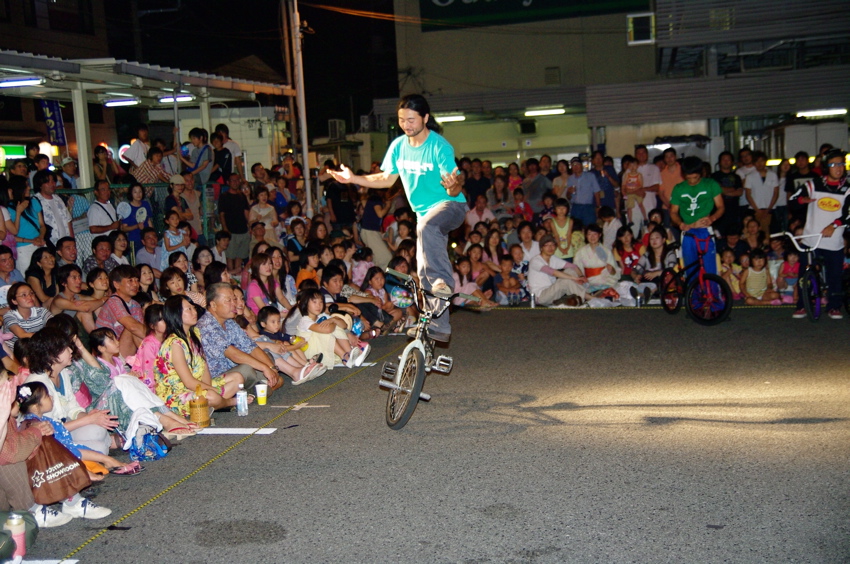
[501, 142]
[621, 139]
[589, 50]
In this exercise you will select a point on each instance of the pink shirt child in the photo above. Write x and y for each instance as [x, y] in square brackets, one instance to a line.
[142, 364]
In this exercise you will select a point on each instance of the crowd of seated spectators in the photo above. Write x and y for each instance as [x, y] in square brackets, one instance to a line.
[105, 350]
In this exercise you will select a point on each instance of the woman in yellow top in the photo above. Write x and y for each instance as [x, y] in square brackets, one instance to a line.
[180, 366]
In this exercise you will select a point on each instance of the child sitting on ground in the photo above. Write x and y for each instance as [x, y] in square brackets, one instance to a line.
[465, 283]
[103, 344]
[521, 207]
[374, 283]
[362, 262]
[142, 362]
[789, 274]
[508, 287]
[731, 272]
[757, 283]
[330, 336]
[34, 401]
[292, 359]
[520, 268]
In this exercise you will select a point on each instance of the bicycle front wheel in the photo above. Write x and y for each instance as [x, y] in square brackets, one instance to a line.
[401, 403]
[670, 290]
[709, 301]
[811, 291]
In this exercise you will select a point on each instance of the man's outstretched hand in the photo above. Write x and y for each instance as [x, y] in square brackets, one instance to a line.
[343, 175]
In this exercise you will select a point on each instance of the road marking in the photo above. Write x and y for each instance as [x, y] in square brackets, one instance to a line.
[297, 407]
[237, 431]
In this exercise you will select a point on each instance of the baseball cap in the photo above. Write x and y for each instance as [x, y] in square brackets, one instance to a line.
[67, 160]
[547, 239]
[176, 179]
[257, 224]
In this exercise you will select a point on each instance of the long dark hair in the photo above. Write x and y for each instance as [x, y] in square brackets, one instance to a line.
[650, 252]
[172, 314]
[213, 273]
[167, 275]
[618, 245]
[304, 298]
[256, 262]
[18, 187]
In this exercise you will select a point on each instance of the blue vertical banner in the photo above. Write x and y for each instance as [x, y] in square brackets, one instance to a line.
[53, 120]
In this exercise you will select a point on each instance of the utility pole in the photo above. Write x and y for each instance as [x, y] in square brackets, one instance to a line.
[300, 98]
[287, 60]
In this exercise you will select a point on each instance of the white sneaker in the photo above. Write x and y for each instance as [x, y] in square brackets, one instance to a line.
[352, 357]
[47, 517]
[441, 289]
[364, 352]
[86, 509]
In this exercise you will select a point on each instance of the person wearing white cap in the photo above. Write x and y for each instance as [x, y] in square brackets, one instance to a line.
[69, 174]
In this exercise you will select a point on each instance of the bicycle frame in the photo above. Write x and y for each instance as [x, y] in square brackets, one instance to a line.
[699, 263]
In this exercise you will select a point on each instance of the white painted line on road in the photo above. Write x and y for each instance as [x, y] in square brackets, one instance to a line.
[297, 407]
[236, 431]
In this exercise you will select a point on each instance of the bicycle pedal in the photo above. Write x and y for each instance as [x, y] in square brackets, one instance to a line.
[443, 364]
[389, 370]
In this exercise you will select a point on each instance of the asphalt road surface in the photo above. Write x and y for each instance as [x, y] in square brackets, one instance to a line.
[560, 436]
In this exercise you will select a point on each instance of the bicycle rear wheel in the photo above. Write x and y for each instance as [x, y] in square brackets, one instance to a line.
[709, 301]
[811, 291]
[402, 403]
[670, 290]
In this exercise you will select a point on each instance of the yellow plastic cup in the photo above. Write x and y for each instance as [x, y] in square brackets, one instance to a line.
[262, 393]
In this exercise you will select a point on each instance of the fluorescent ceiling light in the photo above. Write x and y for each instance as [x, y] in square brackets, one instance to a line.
[180, 98]
[118, 102]
[823, 113]
[447, 119]
[17, 81]
[545, 112]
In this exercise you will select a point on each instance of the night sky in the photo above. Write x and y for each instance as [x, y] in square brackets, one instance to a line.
[348, 61]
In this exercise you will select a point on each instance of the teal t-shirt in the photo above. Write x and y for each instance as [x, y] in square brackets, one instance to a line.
[421, 169]
[695, 202]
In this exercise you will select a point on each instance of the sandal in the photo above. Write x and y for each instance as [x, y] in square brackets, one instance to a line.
[130, 469]
[174, 435]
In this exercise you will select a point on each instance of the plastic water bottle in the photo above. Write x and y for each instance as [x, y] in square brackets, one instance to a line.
[16, 527]
[533, 301]
[241, 401]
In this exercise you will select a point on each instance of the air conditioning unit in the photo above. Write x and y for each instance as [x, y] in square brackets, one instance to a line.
[641, 28]
[336, 129]
[366, 124]
[527, 126]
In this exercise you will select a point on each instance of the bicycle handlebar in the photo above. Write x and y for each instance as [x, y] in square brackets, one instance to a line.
[796, 238]
[399, 275]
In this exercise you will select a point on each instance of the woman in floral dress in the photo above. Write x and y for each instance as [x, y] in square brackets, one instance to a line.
[181, 366]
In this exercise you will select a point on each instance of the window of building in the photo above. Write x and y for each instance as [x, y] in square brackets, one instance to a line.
[75, 16]
[10, 109]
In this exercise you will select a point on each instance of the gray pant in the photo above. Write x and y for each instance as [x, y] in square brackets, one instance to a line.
[561, 287]
[432, 257]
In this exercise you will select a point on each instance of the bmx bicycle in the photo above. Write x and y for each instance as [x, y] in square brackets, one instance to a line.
[404, 380]
[812, 281]
[707, 297]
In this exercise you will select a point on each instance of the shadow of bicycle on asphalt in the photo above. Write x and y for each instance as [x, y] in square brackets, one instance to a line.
[500, 413]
